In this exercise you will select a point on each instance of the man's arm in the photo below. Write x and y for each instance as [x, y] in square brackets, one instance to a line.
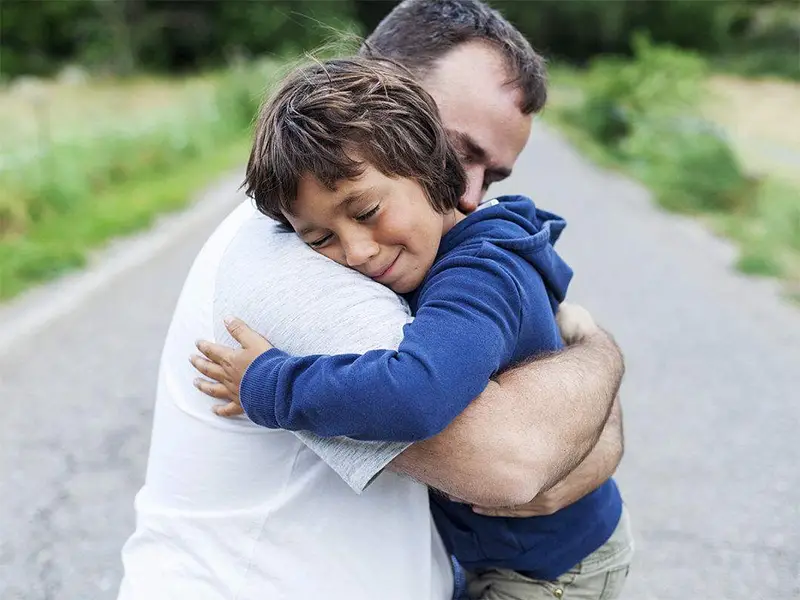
[507, 436]
[527, 431]
[596, 468]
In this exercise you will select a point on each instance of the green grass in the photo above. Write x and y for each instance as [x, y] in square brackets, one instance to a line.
[766, 226]
[58, 243]
[78, 190]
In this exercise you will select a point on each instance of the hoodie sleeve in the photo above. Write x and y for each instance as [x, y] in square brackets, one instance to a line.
[466, 327]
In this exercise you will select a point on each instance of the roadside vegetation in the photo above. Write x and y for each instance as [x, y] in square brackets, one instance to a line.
[83, 162]
[719, 147]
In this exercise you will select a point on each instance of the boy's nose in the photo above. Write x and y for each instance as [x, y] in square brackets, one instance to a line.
[359, 252]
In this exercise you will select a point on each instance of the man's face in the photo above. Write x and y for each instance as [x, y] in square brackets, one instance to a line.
[481, 114]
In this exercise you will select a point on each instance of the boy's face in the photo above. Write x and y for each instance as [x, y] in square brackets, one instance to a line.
[380, 226]
[481, 114]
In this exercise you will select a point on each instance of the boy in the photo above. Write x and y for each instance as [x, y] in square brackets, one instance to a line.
[352, 156]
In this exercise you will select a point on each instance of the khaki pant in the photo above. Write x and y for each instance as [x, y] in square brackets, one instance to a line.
[600, 576]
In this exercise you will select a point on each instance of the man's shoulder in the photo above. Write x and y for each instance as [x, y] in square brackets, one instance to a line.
[273, 281]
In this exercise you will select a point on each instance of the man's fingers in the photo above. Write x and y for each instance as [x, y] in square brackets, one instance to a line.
[508, 511]
[215, 390]
[208, 368]
[492, 511]
[214, 352]
[231, 409]
[242, 333]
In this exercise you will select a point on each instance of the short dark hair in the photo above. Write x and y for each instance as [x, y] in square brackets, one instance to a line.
[331, 119]
[417, 33]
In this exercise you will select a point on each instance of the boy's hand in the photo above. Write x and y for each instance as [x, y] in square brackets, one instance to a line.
[575, 323]
[226, 366]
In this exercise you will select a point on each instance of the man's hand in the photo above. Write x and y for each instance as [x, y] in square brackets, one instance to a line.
[226, 366]
[546, 503]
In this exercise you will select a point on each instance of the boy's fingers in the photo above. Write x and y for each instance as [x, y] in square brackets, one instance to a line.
[215, 390]
[207, 368]
[242, 333]
[212, 351]
[231, 409]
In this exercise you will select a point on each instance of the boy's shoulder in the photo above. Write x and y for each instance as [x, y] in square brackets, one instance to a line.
[515, 236]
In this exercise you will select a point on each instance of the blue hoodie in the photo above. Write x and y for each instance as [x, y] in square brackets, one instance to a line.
[488, 302]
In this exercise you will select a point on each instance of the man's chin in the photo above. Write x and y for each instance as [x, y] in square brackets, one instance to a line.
[468, 205]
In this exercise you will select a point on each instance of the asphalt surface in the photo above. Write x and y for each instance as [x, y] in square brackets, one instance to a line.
[711, 401]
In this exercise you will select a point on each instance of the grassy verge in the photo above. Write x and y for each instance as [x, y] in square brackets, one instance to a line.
[59, 243]
[79, 173]
[764, 217]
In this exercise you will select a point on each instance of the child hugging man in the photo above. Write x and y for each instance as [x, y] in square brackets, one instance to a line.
[351, 154]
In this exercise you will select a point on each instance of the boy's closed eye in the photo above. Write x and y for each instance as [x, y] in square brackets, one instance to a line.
[361, 218]
[319, 243]
[366, 216]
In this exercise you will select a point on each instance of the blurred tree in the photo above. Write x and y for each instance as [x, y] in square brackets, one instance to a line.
[36, 34]
[40, 36]
[580, 29]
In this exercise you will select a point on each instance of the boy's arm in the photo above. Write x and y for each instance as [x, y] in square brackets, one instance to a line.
[526, 431]
[464, 330]
[530, 428]
[335, 310]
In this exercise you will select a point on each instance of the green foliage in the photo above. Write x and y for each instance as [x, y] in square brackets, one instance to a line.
[641, 110]
[692, 167]
[767, 44]
[121, 36]
[762, 33]
[686, 162]
[770, 231]
[68, 175]
[55, 244]
[661, 82]
[580, 29]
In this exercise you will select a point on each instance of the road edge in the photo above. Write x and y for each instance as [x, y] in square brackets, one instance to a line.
[28, 313]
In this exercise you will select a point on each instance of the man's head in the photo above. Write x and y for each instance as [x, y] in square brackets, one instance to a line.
[352, 154]
[482, 72]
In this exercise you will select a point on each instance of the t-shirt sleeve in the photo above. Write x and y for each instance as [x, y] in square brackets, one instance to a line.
[465, 329]
[309, 304]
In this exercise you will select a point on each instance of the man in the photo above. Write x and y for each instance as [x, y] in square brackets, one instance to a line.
[207, 527]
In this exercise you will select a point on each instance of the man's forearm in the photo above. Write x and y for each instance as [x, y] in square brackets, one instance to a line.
[527, 431]
[604, 458]
[594, 470]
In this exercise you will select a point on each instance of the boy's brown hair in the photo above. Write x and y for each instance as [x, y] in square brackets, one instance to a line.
[332, 119]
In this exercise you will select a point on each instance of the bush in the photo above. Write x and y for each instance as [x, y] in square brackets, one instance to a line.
[690, 165]
[661, 82]
[642, 111]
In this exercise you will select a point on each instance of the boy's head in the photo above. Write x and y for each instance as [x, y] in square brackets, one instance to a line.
[484, 75]
[351, 154]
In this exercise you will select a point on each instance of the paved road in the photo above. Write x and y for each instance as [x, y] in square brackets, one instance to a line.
[712, 404]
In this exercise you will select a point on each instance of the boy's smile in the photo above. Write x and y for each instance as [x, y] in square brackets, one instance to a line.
[380, 226]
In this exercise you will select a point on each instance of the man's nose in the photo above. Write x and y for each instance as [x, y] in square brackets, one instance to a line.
[359, 249]
[474, 192]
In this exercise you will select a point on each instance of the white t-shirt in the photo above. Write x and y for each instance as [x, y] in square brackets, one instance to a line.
[232, 510]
